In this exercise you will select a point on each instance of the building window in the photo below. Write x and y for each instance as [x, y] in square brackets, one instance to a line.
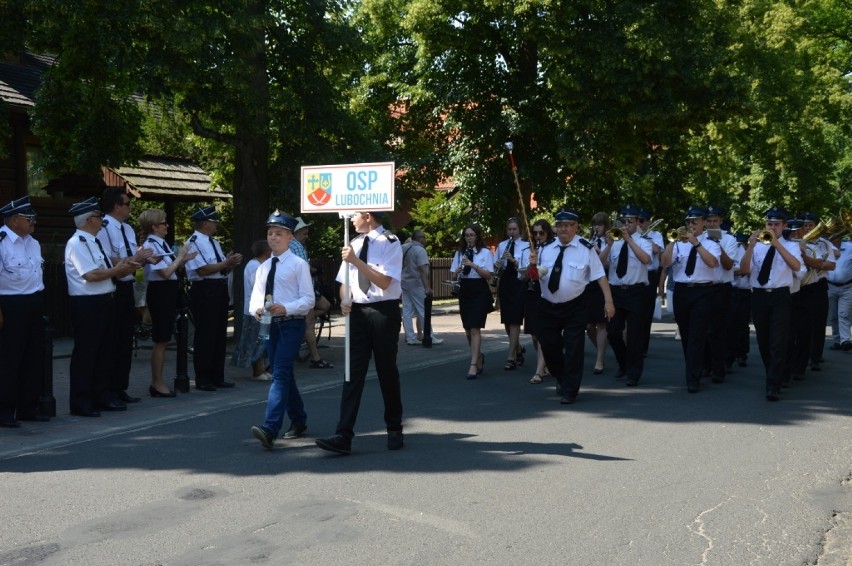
[36, 177]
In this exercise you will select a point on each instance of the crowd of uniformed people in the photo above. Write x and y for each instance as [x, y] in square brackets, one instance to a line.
[562, 288]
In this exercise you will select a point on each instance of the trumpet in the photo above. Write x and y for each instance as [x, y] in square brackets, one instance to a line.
[677, 235]
[615, 234]
[766, 237]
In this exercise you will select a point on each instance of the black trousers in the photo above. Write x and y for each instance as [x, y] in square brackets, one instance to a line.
[630, 310]
[716, 351]
[819, 318]
[562, 335]
[208, 302]
[21, 355]
[805, 304]
[693, 307]
[738, 331]
[374, 333]
[652, 291]
[124, 319]
[92, 356]
[770, 312]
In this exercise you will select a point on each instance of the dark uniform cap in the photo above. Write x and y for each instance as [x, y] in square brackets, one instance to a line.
[282, 220]
[741, 238]
[644, 214]
[88, 205]
[776, 213]
[726, 226]
[795, 223]
[567, 215]
[205, 213]
[696, 212]
[810, 217]
[630, 211]
[18, 206]
[715, 211]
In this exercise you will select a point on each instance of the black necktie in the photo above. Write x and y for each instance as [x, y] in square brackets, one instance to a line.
[556, 272]
[621, 266]
[690, 261]
[763, 275]
[363, 280]
[126, 241]
[216, 250]
[270, 281]
[166, 248]
[468, 253]
[106, 259]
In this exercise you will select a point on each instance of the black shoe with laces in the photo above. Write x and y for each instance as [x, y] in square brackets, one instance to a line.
[267, 440]
[337, 443]
[295, 431]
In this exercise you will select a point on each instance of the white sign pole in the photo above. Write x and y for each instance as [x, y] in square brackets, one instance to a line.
[348, 294]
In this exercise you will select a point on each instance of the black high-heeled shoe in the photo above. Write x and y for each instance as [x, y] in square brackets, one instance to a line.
[155, 393]
[481, 363]
[473, 375]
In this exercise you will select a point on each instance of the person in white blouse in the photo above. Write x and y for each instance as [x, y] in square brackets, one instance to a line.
[161, 293]
[283, 288]
[512, 257]
[472, 265]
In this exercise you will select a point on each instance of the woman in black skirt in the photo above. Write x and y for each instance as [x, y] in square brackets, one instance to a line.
[472, 267]
[543, 235]
[162, 292]
[596, 322]
[513, 255]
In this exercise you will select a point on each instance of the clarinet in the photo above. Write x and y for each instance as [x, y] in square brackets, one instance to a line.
[457, 283]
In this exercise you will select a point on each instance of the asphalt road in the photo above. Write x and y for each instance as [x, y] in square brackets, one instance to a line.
[494, 471]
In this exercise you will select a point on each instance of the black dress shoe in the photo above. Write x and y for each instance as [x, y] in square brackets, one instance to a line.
[568, 400]
[718, 379]
[83, 412]
[692, 388]
[773, 396]
[337, 443]
[224, 384]
[815, 367]
[34, 418]
[395, 439]
[10, 423]
[153, 392]
[123, 396]
[295, 431]
[205, 387]
[112, 405]
[835, 346]
[632, 382]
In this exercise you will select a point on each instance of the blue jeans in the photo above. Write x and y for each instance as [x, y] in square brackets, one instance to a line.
[285, 337]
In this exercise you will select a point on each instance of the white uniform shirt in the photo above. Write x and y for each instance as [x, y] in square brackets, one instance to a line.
[249, 275]
[204, 245]
[384, 254]
[740, 281]
[637, 272]
[112, 237]
[824, 250]
[293, 287]
[161, 249]
[656, 238]
[781, 275]
[842, 272]
[521, 254]
[580, 266]
[730, 245]
[83, 255]
[21, 272]
[702, 273]
[483, 259]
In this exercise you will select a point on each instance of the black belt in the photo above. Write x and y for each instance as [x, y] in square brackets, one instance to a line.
[709, 283]
[288, 317]
[220, 280]
[771, 290]
[120, 282]
[626, 287]
[840, 284]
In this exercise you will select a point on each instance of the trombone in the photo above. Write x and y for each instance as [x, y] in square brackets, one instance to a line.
[651, 227]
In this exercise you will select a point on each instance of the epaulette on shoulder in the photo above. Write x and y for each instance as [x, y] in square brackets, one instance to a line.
[82, 238]
[389, 235]
[3, 235]
[151, 241]
[193, 238]
[586, 243]
[106, 222]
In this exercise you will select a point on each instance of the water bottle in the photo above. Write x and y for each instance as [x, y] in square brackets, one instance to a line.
[265, 322]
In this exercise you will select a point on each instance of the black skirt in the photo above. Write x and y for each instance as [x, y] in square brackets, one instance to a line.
[475, 302]
[162, 297]
[531, 300]
[595, 301]
[511, 292]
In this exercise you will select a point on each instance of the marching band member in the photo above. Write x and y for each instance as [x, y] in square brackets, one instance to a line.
[739, 312]
[658, 244]
[628, 260]
[512, 258]
[565, 267]
[543, 234]
[596, 322]
[717, 342]
[693, 289]
[822, 260]
[773, 265]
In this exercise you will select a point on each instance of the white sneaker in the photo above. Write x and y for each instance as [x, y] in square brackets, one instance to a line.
[436, 340]
[414, 342]
[265, 376]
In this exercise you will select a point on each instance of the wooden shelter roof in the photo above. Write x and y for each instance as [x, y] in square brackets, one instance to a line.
[160, 178]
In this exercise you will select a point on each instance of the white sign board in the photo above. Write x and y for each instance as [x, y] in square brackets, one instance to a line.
[348, 188]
